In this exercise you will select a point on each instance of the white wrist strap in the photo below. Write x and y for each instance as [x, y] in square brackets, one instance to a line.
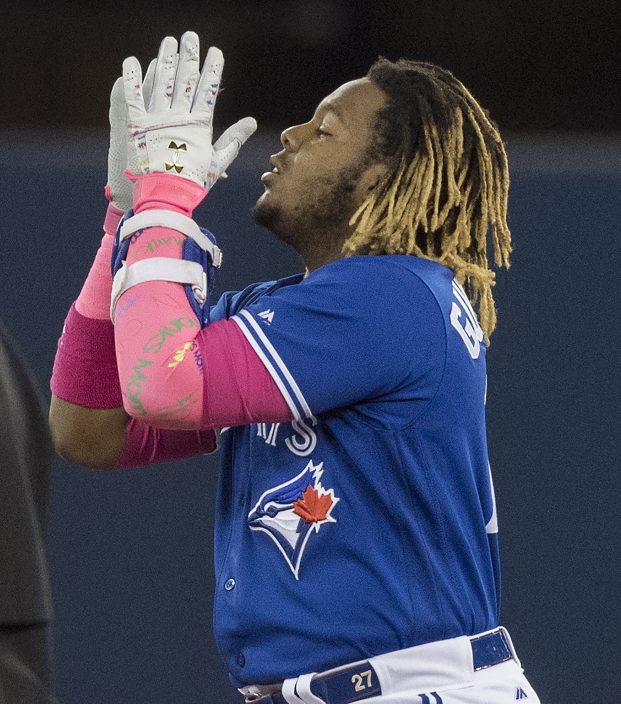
[173, 221]
[178, 271]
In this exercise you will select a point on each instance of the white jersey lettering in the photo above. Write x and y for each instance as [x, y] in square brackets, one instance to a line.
[464, 320]
[303, 442]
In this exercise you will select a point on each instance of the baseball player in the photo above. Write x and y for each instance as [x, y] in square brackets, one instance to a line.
[356, 543]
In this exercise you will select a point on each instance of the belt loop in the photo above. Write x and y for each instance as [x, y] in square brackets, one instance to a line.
[288, 692]
[303, 688]
[298, 691]
[507, 637]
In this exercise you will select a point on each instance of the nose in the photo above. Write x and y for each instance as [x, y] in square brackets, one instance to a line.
[291, 137]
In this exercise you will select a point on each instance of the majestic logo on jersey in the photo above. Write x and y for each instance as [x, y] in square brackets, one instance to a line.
[267, 316]
[291, 512]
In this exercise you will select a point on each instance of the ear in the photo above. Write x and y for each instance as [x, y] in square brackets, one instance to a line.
[370, 179]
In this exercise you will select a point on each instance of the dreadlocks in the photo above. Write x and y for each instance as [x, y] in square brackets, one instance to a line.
[448, 180]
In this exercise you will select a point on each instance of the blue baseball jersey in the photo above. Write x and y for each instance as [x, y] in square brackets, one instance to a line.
[367, 524]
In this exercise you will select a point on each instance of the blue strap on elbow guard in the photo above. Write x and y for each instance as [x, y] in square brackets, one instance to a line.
[196, 271]
[192, 252]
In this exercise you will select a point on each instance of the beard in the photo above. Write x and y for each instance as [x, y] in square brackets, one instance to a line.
[318, 222]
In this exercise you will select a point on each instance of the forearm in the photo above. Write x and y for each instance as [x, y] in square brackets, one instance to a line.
[154, 325]
[109, 439]
[87, 419]
[94, 437]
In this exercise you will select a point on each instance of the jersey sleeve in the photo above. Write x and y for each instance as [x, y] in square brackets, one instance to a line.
[356, 330]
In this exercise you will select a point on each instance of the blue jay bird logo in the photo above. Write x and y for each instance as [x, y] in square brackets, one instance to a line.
[291, 512]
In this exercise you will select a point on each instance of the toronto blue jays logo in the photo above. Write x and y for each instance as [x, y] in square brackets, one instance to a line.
[291, 512]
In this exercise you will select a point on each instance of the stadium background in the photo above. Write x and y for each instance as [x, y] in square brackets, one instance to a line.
[130, 552]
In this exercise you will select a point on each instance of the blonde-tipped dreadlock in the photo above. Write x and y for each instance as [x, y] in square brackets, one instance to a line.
[448, 180]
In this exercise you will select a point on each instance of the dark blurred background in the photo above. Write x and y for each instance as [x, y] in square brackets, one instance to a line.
[534, 64]
[130, 552]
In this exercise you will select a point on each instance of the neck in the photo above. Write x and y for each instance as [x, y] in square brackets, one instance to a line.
[315, 260]
[319, 249]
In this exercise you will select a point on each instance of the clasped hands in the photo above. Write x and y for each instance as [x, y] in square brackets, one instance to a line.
[164, 124]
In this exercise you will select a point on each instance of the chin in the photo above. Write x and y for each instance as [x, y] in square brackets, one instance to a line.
[270, 216]
[265, 213]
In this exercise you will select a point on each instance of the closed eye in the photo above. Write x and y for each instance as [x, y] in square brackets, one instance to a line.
[322, 133]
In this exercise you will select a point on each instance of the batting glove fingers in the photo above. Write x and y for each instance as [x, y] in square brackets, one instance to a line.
[120, 188]
[173, 132]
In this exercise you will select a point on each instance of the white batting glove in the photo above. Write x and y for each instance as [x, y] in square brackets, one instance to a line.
[172, 133]
[119, 186]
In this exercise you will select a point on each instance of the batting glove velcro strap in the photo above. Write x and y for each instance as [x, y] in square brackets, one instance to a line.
[174, 221]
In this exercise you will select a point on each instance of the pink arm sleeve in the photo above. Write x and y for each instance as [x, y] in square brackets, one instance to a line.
[145, 444]
[85, 371]
[94, 299]
[173, 374]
